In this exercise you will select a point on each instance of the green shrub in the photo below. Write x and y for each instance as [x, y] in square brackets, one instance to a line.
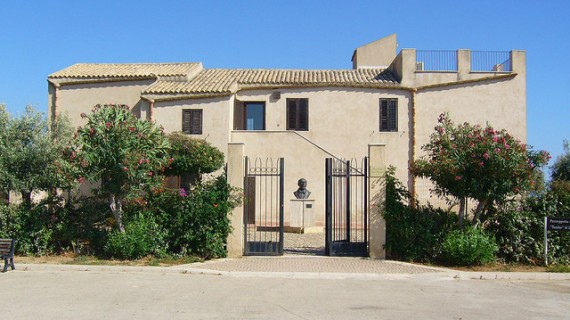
[413, 233]
[142, 236]
[469, 246]
[29, 226]
[196, 221]
[519, 234]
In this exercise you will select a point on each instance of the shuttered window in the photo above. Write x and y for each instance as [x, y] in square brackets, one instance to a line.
[192, 121]
[389, 115]
[298, 114]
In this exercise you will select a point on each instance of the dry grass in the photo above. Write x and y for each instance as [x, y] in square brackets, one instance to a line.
[91, 260]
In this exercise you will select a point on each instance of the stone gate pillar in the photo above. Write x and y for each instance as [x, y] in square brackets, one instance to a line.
[377, 197]
[235, 179]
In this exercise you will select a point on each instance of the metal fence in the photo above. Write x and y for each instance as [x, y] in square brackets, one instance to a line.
[436, 60]
[346, 207]
[491, 61]
[263, 207]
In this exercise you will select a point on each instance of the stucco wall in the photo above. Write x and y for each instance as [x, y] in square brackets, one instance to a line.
[342, 123]
[215, 118]
[73, 99]
[501, 103]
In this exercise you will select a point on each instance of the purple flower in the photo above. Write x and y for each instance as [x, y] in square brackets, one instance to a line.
[183, 192]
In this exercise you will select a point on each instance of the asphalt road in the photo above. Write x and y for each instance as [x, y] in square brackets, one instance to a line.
[156, 295]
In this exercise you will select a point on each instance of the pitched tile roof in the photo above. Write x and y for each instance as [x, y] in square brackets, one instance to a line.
[126, 70]
[230, 80]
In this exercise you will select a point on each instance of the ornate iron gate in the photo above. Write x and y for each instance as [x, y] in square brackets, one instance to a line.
[263, 208]
[346, 207]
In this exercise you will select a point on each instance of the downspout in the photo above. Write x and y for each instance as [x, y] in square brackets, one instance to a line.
[150, 115]
[151, 110]
[413, 149]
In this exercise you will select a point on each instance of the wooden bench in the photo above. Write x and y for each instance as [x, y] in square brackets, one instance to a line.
[7, 252]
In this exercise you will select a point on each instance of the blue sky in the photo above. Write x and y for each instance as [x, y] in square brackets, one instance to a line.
[40, 37]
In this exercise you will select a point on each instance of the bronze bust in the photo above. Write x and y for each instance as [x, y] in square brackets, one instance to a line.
[302, 192]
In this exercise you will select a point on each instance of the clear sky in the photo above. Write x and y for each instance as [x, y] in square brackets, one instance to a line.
[39, 37]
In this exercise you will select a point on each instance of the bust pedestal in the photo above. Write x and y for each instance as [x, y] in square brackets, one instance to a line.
[301, 215]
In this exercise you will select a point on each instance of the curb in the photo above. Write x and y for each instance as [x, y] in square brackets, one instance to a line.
[443, 274]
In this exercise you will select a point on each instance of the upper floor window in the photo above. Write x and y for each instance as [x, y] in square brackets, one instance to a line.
[192, 121]
[254, 116]
[298, 114]
[388, 115]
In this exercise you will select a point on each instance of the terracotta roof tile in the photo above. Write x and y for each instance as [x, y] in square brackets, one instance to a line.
[126, 70]
[227, 80]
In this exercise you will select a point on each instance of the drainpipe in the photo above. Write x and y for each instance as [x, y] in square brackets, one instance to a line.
[413, 136]
[150, 108]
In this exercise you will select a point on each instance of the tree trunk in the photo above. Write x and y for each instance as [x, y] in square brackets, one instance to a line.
[480, 206]
[461, 212]
[116, 205]
[27, 198]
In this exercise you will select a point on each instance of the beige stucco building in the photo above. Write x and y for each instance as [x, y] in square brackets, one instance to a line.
[388, 99]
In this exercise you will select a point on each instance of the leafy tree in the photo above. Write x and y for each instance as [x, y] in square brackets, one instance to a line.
[31, 152]
[121, 152]
[561, 167]
[192, 155]
[481, 163]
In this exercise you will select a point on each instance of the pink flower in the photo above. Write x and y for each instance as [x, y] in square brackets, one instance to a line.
[125, 169]
[481, 164]
[495, 138]
[81, 180]
[486, 155]
[497, 150]
[141, 161]
[150, 174]
[457, 178]
[183, 192]
[507, 146]
[108, 124]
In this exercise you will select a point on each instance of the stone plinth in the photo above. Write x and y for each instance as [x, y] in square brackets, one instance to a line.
[301, 215]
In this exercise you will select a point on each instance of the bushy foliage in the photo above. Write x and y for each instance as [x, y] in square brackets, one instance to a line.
[143, 236]
[471, 246]
[519, 234]
[33, 235]
[51, 227]
[31, 152]
[191, 155]
[481, 163]
[413, 232]
[561, 167]
[195, 221]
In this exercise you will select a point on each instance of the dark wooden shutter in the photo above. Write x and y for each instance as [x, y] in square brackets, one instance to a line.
[291, 114]
[298, 114]
[303, 115]
[192, 121]
[388, 115]
[392, 115]
[383, 115]
[239, 115]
